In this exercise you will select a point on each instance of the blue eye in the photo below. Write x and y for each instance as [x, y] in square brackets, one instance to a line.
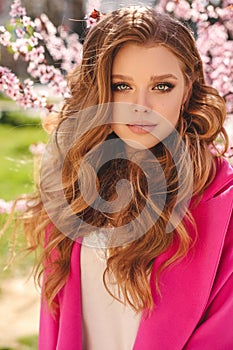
[120, 87]
[164, 87]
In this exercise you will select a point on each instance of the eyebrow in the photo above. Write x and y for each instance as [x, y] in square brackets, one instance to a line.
[152, 78]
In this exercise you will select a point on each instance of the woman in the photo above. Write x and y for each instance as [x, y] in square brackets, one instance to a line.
[167, 282]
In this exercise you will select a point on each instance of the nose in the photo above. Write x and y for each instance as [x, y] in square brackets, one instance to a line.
[141, 104]
[141, 109]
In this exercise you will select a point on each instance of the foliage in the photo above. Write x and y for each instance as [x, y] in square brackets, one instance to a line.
[30, 342]
[19, 118]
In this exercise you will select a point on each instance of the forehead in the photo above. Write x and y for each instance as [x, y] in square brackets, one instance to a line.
[154, 58]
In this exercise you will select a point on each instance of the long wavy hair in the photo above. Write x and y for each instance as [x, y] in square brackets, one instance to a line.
[200, 123]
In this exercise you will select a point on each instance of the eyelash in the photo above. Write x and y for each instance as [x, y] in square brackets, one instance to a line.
[115, 87]
[169, 87]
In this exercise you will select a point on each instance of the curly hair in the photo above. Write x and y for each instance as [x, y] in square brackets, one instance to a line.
[200, 123]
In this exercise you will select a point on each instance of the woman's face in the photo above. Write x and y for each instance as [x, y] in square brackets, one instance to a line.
[150, 86]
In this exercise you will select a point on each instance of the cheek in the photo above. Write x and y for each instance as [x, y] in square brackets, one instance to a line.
[120, 97]
[170, 108]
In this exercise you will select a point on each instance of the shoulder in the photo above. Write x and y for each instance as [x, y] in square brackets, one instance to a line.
[220, 190]
[216, 204]
[223, 181]
[213, 214]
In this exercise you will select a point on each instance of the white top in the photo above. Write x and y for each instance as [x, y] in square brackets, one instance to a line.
[107, 323]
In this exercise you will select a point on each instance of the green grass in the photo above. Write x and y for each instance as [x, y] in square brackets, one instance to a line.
[22, 263]
[16, 178]
[24, 343]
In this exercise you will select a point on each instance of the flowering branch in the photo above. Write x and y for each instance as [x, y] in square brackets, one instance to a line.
[27, 39]
[214, 27]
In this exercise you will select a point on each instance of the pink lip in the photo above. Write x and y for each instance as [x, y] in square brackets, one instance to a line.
[142, 127]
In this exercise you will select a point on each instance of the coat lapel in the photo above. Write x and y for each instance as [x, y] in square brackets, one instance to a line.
[70, 321]
[186, 286]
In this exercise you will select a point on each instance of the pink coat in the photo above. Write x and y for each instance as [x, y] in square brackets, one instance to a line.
[196, 308]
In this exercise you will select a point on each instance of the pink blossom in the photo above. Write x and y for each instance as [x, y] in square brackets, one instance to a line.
[63, 47]
[20, 32]
[50, 28]
[22, 93]
[17, 10]
[214, 38]
[216, 50]
[33, 41]
[180, 10]
[9, 83]
[20, 46]
[37, 35]
[27, 21]
[37, 148]
[171, 6]
[36, 55]
[229, 104]
[211, 11]
[21, 205]
[5, 207]
[5, 36]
